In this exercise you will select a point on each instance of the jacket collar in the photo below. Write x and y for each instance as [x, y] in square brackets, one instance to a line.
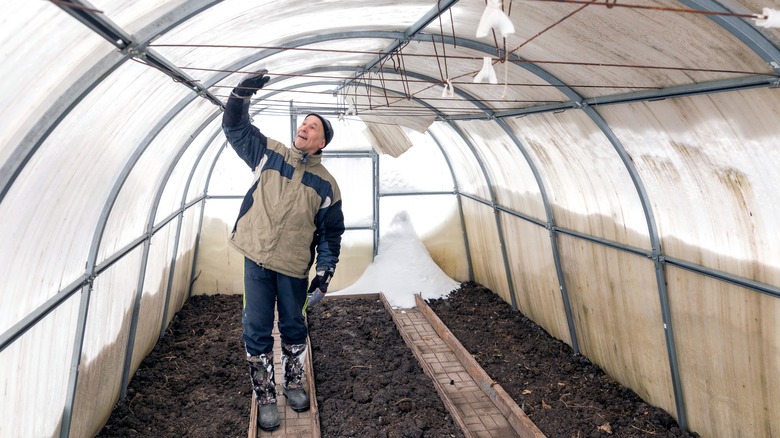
[303, 157]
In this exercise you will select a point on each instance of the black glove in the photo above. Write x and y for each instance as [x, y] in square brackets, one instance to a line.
[317, 288]
[249, 85]
[322, 280]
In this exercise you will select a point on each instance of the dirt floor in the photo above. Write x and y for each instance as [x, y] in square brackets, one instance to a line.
[563, 394]
[195, 382]
[369, 383]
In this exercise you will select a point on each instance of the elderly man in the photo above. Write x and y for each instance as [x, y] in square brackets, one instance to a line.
[292, 209]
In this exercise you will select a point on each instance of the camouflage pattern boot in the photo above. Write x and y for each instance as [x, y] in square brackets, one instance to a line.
[293, 357]
[261, 373]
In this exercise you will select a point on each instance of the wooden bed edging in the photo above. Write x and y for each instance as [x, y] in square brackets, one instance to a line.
[516, 417]
[426, 368]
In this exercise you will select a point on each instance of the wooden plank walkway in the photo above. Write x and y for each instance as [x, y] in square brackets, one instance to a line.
[478, 405]
[293, 424]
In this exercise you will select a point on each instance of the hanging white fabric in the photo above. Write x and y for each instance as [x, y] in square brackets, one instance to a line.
[494, 18]
[770, 19]
[448, 90]
[487, 72]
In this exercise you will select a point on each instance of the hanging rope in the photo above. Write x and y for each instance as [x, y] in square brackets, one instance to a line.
[552, 25]
[614, 4]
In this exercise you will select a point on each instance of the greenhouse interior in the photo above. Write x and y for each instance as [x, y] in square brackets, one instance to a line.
[609, 168]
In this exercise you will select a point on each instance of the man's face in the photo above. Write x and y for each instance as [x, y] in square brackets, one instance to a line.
[310, 136]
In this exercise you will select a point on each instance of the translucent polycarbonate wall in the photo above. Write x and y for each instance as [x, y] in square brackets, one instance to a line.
[467, 171]
[615, 312]
[105, 342]
[82, 166]
[233, 23]
[566, 147]
[719, 169]
[435, 215]
[698, 158]
[45, 66]
[180, 166]
[617, 185]
[146, 183]
[731, 335]
[151, 302]
[37, 402]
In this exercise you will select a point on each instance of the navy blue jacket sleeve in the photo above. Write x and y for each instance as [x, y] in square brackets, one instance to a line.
[248, 142]
[328, 236]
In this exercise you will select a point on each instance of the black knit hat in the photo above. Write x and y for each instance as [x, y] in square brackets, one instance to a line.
[325, 127]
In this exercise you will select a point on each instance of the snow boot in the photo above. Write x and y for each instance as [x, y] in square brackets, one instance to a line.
[261, 373]
[293, 357]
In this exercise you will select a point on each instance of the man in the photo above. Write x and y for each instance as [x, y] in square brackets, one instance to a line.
[293, 207]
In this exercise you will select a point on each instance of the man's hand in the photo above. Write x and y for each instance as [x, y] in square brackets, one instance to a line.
[249, 85]
[318, 287]
[322, 280]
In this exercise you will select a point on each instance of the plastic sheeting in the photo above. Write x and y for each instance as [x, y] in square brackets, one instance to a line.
[617, 184]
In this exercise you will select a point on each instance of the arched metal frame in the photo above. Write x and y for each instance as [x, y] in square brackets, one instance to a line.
[128, 47]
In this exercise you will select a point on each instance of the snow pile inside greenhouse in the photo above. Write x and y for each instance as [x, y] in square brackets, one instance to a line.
[402, 268]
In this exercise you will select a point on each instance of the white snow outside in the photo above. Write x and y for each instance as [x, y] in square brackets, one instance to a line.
[402, 269]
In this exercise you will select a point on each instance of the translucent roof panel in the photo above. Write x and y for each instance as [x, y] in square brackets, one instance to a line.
[130, 214]
[184, 154]
[513, 181]
[522, 89]
[750, 7]
[73, 174]
[694, 151]
[401, 88]
[261, 24]
[567, 147]
[469, 176]
[136, 14]
[62, 55]
[292, 63]
[37, 403]
[211, 140]
[600, 50]
[354, 176]
[414, 170]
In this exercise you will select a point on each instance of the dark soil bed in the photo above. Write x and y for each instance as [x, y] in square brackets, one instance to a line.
[369, 383]
[195, 382]
[563, 394]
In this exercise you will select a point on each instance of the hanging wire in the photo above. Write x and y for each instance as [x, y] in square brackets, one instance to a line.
[564, 18]
[454, 37]
[614, 4]
[438, 63]
[443, 46]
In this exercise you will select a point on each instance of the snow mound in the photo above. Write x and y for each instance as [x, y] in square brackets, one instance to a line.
[402, 268]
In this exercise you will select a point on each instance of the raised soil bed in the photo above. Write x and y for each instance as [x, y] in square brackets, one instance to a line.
[195, 382]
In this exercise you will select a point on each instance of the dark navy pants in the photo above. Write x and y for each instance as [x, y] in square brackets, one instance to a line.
[263, 290]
